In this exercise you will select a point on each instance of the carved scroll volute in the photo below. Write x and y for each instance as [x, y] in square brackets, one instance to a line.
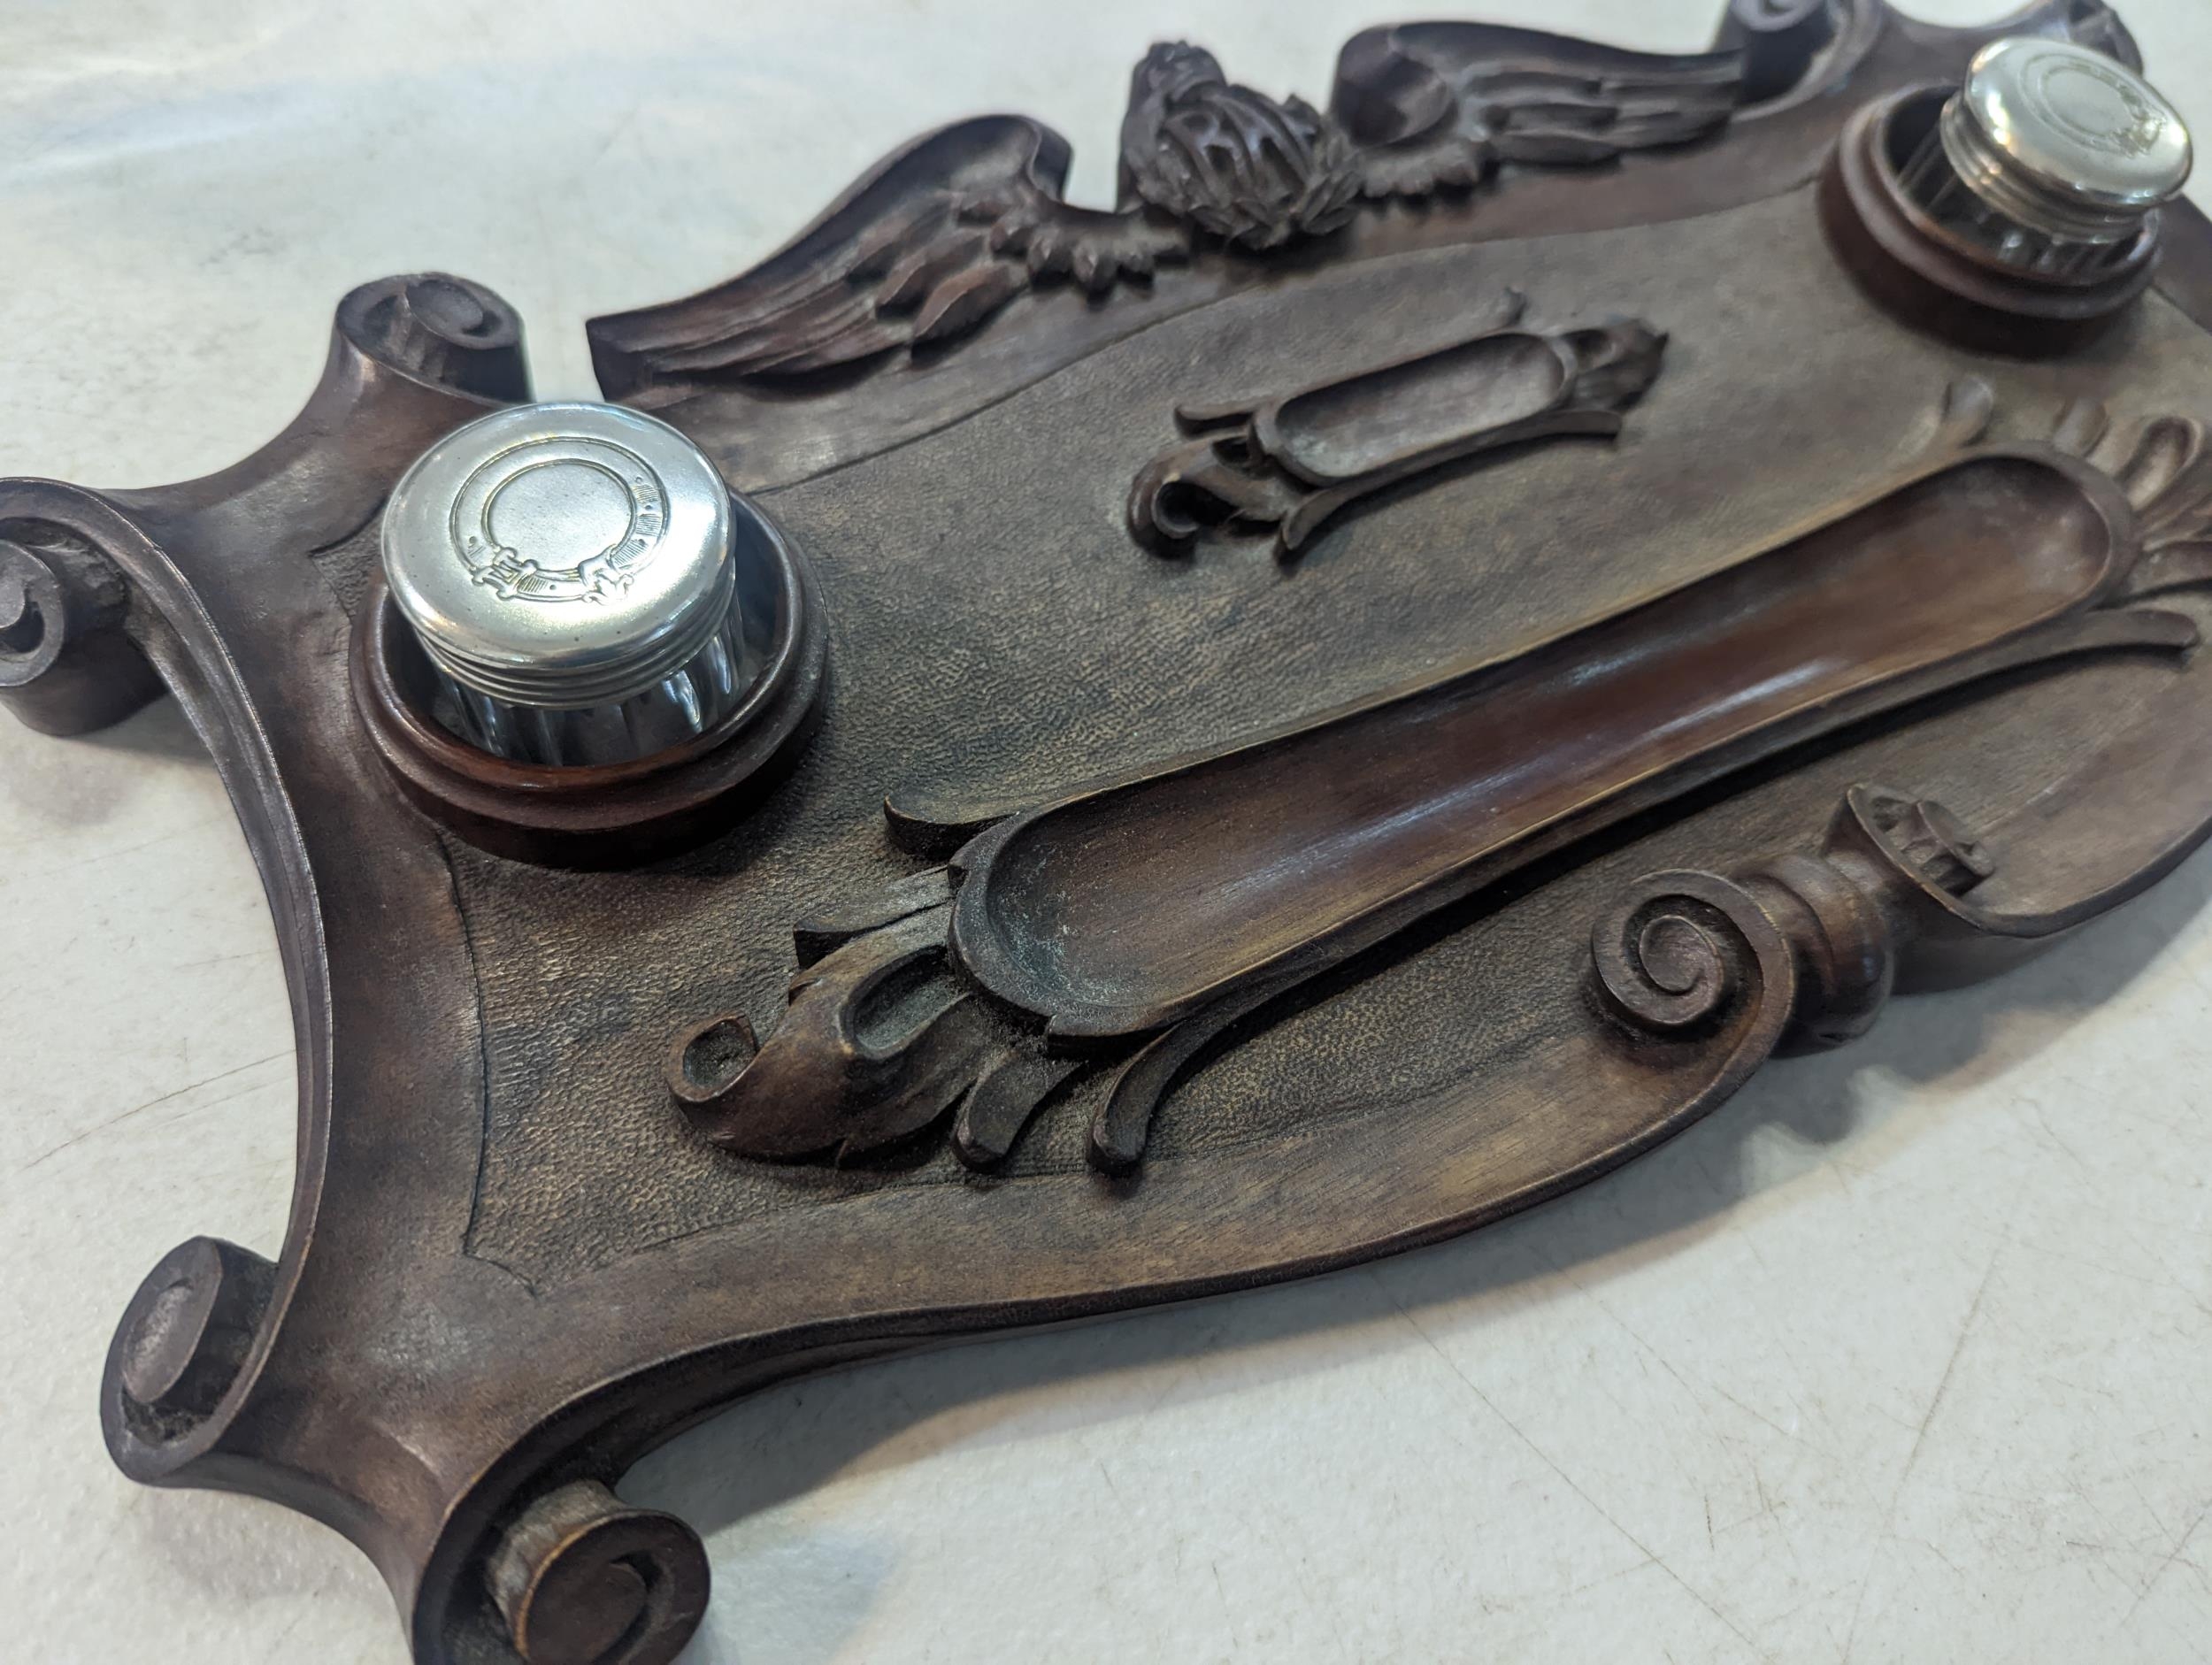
[440, 330]
[1681, 946]
[74, 621]
[1893, 871]
[1778, 39]
[1694, 977]
[1696, 960]
[67, 665]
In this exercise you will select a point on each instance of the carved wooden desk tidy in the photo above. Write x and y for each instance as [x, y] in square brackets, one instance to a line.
[1233, 918]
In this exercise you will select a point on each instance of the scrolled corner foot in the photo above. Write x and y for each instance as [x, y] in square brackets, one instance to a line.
[66, 667]
[182, 1346]
[579, 1578]
[435, 328]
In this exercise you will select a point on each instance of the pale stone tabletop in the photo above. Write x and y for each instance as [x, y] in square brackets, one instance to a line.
[1902, 1356]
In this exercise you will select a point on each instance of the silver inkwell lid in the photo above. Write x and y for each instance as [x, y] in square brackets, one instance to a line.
[567, 571]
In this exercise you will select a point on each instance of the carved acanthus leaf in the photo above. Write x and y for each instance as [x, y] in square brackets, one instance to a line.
[879, 1042]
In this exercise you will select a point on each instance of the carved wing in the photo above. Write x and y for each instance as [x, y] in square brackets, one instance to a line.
[1439, 106]
[936, 240]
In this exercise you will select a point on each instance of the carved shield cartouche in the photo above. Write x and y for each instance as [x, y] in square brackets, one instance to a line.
[1356, 690]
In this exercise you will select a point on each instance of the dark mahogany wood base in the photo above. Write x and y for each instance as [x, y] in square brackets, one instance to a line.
[1626, 715]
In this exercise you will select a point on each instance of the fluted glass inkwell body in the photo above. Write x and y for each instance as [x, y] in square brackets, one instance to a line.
[2051, 159]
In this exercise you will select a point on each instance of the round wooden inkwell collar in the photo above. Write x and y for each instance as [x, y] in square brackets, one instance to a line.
[606, 815]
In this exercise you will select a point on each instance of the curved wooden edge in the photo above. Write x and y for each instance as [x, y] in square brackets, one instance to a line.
[2097, 838]
[81, 667]
[157, 1442]
[222, 595]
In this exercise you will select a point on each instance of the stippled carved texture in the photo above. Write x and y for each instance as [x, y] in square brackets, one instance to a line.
[966, 692]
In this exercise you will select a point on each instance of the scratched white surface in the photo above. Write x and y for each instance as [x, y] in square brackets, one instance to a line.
[1903, 1355]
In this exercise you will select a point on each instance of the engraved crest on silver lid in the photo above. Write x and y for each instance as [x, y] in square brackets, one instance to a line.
[513, 515]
